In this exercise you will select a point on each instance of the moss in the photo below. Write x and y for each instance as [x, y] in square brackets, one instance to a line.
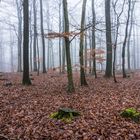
[131, 113]
[54, 115]
[136, 117]
[128, 112]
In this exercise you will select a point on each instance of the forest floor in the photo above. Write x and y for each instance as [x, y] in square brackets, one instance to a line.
[25, 111]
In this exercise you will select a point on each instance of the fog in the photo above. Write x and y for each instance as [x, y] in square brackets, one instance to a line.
[9, 31]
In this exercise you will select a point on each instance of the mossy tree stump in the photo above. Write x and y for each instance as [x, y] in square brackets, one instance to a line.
[65, 114]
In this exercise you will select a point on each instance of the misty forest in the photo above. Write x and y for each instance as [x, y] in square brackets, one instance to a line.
[69, 70]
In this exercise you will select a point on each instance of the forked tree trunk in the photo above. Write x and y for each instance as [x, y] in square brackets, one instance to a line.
[116, 35]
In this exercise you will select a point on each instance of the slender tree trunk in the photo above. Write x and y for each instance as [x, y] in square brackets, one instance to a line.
[35, 36]
[26, 78]
[137, 42]
[48, 55]
[48, 41]
[11, 50]
[67, 45]
[63, 49]
[38, 68]
[19, 14]
[93, 39]
[125, 40]
[129, 36]
[52, 56]
[82, 71]
[90, 42]
[108, 72]
[42, 36]
[86, 52]
[134, 50]
[30, 39]
[60, 38]
[115, 47]
[75, 55]
[116, 35]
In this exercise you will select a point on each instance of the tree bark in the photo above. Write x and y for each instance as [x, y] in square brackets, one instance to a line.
[93, 39]
[117, 16]
[82, 70]
[42, 36]
[108, 72]
[67, 45]
[125, 40]
[35, 37]
[19, 14]
[26, 78]
[129, 36]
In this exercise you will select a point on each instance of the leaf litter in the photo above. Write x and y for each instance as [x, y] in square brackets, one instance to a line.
[25, 111]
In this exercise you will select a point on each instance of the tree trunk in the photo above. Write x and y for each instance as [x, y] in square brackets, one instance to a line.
[63, 57]
[42, 36]
[38, 68]
[108, 72]
[85, 52]
[67, 45]
[60, 38]
[117, 16]
[63, 48]
[93, 39]
[35, 36]
[82, 71]
[19, 14]
[125, 40]
[30, 39]
[26, 79]
[129, 37]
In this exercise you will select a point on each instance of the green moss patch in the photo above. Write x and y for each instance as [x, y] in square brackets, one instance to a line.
[131, 113]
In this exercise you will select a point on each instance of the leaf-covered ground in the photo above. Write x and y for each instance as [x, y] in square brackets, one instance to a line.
[24, 111]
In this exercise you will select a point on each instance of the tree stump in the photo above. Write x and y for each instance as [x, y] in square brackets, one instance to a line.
[65, 114]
